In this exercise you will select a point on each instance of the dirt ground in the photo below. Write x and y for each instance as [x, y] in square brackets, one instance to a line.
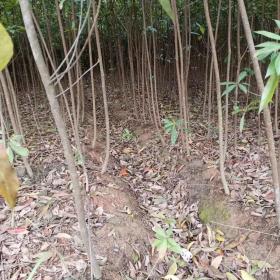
[147, 185]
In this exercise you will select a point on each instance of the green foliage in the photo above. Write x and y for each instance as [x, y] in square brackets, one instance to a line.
[127, 135]
[6, 47]
[164, 241]
[231, 86]
[252, 106]
[271, 49]
[172, 127]
[167, 8]
[14, 147]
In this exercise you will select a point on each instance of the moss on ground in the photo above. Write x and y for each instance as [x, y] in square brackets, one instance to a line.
[213, 210]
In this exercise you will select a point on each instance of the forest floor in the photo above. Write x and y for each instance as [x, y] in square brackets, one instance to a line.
[147, 185]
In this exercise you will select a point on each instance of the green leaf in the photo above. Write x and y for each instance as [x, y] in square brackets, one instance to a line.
[18, 149]
[243, 88]
[242, 123]
[160, 233]
[267, 48]
[162, 248]
[230, 276]
[249, 71]
[10, 154]
[229, 89]
[202, 29]
[236, 110]
[156, 243]
[246, 276]
[227, 83]
[271, 70]
[277, 64]
[277, 23]
[17, 138]
[6, 47]
[269, 45]
[262, 55]
[268, 91]
[269, 35]
[242, 75]
[174, 136]
[174, 246]
[167, 8]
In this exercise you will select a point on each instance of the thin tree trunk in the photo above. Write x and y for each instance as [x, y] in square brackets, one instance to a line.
[228, 74]
[104, 94]
[266, 111]
[219, 101]
[61, 127]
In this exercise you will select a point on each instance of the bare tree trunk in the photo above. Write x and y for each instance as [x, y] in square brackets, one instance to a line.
[228, 73]
[219, 101]
[266, 111]
[104, 94]
[61, 127]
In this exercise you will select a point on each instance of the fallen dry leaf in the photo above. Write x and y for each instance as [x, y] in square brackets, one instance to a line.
[9, 182]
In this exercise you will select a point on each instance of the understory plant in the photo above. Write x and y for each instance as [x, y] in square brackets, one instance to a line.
[172, 127]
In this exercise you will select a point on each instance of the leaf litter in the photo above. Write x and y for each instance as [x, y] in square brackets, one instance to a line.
[147, 186]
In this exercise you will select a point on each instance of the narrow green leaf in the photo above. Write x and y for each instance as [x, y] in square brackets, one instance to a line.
[262, 55]
[268, 91]
[268, 44]
[270, 69]
[227, 83]
[277, 23]
[243, 88]
[242, 75]
[19, 150]
[277, 64]
[6, 47]
[236, 110]
[174, 246]
[174, 136]
[167, 8]
[269, 35]
[160, 233]
[202, 29]
[229, 89]
[10, 154]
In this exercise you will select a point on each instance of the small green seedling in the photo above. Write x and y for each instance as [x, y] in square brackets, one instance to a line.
[15, 148]
[127, 135]
[172, 127]
[252, 106]
[240, 84]
[165, 241]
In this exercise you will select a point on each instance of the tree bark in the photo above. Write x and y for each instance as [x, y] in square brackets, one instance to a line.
[219, 99]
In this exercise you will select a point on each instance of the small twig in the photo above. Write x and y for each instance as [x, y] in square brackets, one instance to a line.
[78, 79]
[247, 229]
